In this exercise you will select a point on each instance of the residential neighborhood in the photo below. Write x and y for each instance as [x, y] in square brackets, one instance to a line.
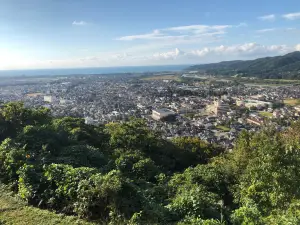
[215, 110]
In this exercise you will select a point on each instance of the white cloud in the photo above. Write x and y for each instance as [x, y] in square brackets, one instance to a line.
[266, 30]
[199, 28]
[292, 16]
[180, 33]
[270, 17]
[121, 56]
[242, 50]
[155, 34]
[79, 23]
[168, 55]
[291, 28]
[177, 56]
[161, 57]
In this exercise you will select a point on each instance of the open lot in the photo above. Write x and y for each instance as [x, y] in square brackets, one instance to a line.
[266, 114]
[291, 102]
[162, 77]
[223, 128]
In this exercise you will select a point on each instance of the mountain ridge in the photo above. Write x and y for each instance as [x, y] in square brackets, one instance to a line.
[281, 67]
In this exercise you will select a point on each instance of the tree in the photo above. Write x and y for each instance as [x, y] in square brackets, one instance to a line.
[194, 200]
[14, 117]
[271, 178]
[195, 151]
[12, 158]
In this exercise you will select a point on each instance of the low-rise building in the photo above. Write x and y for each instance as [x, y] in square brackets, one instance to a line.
[49, 99]
[160, 114]
[221, 108]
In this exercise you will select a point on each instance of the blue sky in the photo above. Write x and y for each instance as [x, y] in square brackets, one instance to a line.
[96, 33]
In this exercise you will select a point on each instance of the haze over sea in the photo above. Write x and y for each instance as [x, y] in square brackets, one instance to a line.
[85, 71]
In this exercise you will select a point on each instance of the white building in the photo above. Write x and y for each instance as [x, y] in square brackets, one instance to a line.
[49, 99]
[159, 114]
[90, 121]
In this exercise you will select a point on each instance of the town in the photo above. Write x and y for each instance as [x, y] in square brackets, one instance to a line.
[175, 104]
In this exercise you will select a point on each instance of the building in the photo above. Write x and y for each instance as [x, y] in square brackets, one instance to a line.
[276, 113]
[161, 114]
[64, 101]
[49, 99]
[297, 108]
[249, 103]
[90, 121]
[253, 119]
[221, 108]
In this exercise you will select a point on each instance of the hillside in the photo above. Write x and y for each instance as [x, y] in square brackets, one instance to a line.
[282, 67]
[124, 173]
[13, 211]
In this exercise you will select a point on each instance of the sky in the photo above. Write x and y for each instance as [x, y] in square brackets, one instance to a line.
[37, 34]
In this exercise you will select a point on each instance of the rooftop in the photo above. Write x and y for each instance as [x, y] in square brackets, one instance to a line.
[163, 110]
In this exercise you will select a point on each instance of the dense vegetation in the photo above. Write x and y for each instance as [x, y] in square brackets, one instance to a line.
[279, 67]
[123, 173]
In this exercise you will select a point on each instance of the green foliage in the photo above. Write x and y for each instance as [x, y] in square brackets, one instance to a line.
[131, 135]
[63, 182]
[12, 158]
[248, 214]
[13, 211]
[99, 194]
[199, 221]
[136, 165]
[41, 140]
[14, 117]
[77, 131]
[124, 173]
[31, 184]
[194, 200]
[82, 156]
[195, 150]
[134, 135]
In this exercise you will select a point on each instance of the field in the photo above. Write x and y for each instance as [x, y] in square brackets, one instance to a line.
[291, 102]
[223, 128]
[162, 77]
[266, 114]
[284, 81]
[14, 212]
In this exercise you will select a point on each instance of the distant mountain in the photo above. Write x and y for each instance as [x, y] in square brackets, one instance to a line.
[282, 67]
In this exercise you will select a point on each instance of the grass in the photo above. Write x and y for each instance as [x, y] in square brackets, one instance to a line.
[291, 102]
[15, 212]
[223, 128]
[162, 77]
[265, 114]
[284, 80]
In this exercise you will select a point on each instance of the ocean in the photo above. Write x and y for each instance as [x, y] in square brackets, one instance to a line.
[98, 70]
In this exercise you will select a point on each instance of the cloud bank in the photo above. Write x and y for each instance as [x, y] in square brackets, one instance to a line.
[172, 56]
[292, 16]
